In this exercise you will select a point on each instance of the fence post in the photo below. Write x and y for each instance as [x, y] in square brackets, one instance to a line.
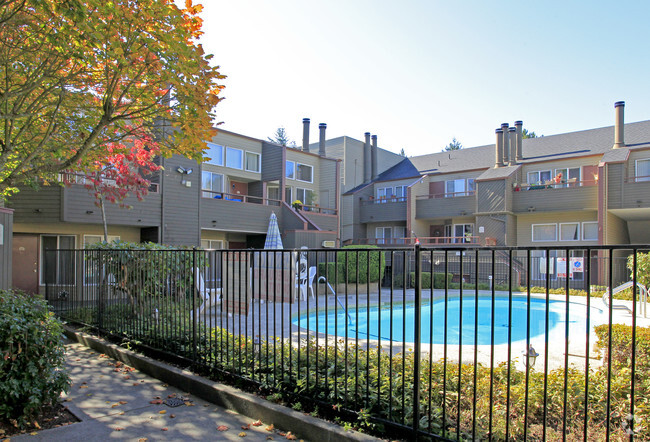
[195, 293]
[417, 341]
[100, 299]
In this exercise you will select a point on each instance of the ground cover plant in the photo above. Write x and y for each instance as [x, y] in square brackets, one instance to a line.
[32, 372]
[466, 400]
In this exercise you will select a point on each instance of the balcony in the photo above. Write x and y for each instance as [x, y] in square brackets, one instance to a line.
[636, 193]
[444, 205]
[550, 196]
[237, 212]
[383, 209]
[324, 219]
[432, 241]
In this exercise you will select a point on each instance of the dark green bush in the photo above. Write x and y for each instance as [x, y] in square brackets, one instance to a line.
[377, 264]
[331, 273]
[438, 280]
[32, 373]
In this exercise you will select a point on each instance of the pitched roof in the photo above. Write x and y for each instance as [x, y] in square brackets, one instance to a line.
[597, 141]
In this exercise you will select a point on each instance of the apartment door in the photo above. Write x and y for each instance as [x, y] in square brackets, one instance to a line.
[25, 262]
[239, 188]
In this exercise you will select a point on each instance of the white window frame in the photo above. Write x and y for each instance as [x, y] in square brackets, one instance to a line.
[215, 161]
[304, 194]
[532, 232]
[290, 190]
[210, 243]
[584, 230]
[111, 238]
[382, 239]
[304, 165]
[259, 162]
[41, 252]
[209, 193]
[463, 239]
[636, 171]
[293, 170]
[241, 157]
[578, 233]
[539, 175]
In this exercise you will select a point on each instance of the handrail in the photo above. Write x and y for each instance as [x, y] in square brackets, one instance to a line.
[550, 184]
[319, 210]
[637, 179]
[426, 240]
[643, 299]
[383, 200]
[237, 197]
[446, 195]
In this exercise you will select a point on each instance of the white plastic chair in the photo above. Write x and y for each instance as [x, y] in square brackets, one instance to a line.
[209, 296]
[305, 280]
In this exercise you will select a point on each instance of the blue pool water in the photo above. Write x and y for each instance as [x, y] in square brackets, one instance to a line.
[374, 323]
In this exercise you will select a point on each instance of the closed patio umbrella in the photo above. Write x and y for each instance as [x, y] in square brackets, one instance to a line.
[273, 238]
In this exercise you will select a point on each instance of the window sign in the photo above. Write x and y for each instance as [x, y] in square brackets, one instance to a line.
[561, 267]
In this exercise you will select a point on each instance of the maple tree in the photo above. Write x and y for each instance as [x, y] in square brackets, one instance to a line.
[78, 78]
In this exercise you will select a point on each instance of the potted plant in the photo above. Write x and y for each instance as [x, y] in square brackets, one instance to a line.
[297, 205]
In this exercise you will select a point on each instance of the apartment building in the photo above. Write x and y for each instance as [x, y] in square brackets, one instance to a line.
[224, 202]
[589, 187]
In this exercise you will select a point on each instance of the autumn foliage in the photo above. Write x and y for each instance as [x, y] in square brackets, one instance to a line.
[85, 82]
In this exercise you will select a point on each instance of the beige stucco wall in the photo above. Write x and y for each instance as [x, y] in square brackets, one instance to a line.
[131, 234]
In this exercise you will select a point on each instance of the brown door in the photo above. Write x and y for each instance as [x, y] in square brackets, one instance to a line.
[25, 263]
[436, 231]
[437, 189]
[238, 188]
[233, 245]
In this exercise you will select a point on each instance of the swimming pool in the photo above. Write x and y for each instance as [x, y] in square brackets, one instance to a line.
[397, 324]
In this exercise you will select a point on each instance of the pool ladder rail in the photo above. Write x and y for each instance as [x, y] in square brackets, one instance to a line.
[323, 279]
[643, 298]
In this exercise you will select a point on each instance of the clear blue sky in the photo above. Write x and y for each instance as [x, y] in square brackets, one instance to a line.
[418, 73]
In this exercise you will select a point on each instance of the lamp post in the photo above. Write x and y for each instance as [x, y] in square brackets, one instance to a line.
[530, 356]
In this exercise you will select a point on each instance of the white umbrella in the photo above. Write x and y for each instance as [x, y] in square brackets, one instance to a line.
[273, 238]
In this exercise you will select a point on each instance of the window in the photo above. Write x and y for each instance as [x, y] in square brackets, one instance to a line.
[539, 177]
[590, 231]
[211, 244]
[234, 158]
[568, 174]
[384, 235]
[463, 233]
[252, 162]
[57, 267]
[94, 239]
[544, 232]
[212, 184]
[290, 171]
[397, 193]
[306, 196]
[273, 193]
[642, 172]
[569, 231]
[215, 153]
[304, 173]
[287, 195]
[459, 187]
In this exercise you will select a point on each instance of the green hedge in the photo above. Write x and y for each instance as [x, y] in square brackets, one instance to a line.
[32, 373]
[377, 265]
[438, 280]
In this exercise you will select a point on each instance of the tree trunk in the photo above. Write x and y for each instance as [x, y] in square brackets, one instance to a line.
[101, 206]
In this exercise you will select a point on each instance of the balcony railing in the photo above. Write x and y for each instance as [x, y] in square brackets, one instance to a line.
[237, 197]
[383, 200]
[637, 179]
[552, 184]
[426, 240]
[446, 195]
[82, 179]
[319, 210]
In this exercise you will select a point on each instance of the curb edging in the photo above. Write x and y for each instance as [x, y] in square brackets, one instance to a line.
[247, 404]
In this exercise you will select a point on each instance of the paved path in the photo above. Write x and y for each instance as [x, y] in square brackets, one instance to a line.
[114, 401]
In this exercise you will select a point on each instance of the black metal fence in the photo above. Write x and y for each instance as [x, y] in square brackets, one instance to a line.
[458, 345]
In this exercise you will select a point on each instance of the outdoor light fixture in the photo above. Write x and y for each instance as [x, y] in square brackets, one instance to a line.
[184, 171]
[530, 356]
[531, 209]
[89, 212]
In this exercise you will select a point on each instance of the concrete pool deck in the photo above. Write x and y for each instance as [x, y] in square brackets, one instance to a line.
[265, 320]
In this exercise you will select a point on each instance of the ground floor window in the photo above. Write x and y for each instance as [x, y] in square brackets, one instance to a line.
[57, 267]
[390, 235]
[94, 239]
[211, 244]
[590, 231]
[544, 232]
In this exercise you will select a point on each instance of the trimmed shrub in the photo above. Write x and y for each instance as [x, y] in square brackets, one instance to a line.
[32, 373]
[377, 264]
[330, 272]
[438, 280]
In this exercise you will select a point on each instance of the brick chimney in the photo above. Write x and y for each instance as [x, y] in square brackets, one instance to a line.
[619, 126]
[321, 142]
[305, 134]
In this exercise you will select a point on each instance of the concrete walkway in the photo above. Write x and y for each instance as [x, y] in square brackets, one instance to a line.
[115, 401]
